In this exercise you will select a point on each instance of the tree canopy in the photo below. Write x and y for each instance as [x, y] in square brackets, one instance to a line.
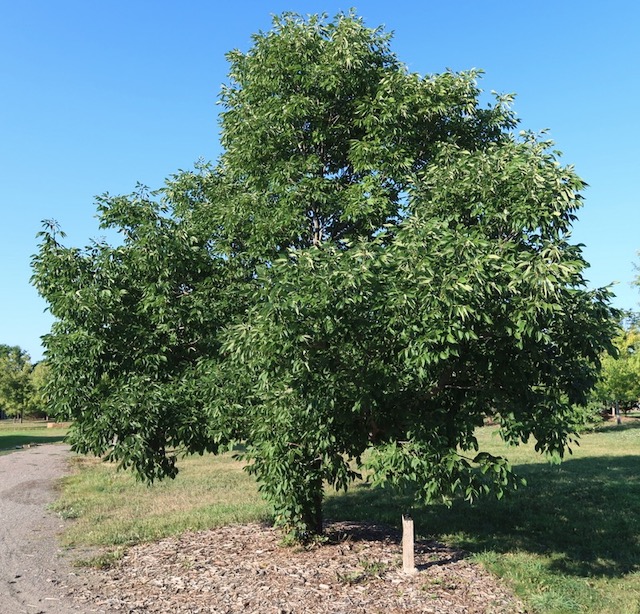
[376, 265]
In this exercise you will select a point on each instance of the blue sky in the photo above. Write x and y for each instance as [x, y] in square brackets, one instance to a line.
[97, 96]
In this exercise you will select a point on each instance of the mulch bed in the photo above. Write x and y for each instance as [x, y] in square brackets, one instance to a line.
[244, 568]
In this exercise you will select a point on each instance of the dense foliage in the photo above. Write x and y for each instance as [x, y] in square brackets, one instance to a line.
[377, 264]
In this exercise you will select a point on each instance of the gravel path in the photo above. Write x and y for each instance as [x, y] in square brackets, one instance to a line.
[35, 573]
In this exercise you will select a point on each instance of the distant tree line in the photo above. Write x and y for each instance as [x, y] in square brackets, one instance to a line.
[618, 387]
[22, 384]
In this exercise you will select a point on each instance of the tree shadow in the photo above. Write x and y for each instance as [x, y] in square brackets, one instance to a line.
[11, 442]
[611, 428]
[430, 552]
[583, 514]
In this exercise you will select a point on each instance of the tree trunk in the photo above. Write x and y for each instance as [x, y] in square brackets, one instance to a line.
[313, 514]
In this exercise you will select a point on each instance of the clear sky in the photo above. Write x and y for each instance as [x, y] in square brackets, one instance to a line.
[97, 96]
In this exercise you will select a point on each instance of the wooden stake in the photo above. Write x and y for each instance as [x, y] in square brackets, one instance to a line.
[408, 565]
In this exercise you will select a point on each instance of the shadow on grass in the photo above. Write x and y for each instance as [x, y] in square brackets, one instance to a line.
[11, 442]
[611, 428]
[583, 514]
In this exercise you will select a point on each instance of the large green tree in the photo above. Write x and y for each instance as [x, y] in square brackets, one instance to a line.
[377, 264]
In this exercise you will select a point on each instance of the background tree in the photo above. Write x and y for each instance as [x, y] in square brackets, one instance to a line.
[376, 265]
[618, 387]
[16, 386]
[40, 381]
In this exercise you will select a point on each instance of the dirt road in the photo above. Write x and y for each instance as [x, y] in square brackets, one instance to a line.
[35, 573]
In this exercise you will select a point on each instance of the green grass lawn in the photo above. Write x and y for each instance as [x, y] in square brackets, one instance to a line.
[113, 509]
[14, 435]
[568, 542]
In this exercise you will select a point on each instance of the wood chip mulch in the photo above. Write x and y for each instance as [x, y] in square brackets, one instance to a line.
[244, 568]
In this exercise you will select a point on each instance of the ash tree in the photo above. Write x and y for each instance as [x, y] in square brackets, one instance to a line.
[377, 264]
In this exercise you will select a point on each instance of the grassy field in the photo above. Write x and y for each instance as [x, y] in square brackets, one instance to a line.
[113, 509]
[568, 542]
[14, 435]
